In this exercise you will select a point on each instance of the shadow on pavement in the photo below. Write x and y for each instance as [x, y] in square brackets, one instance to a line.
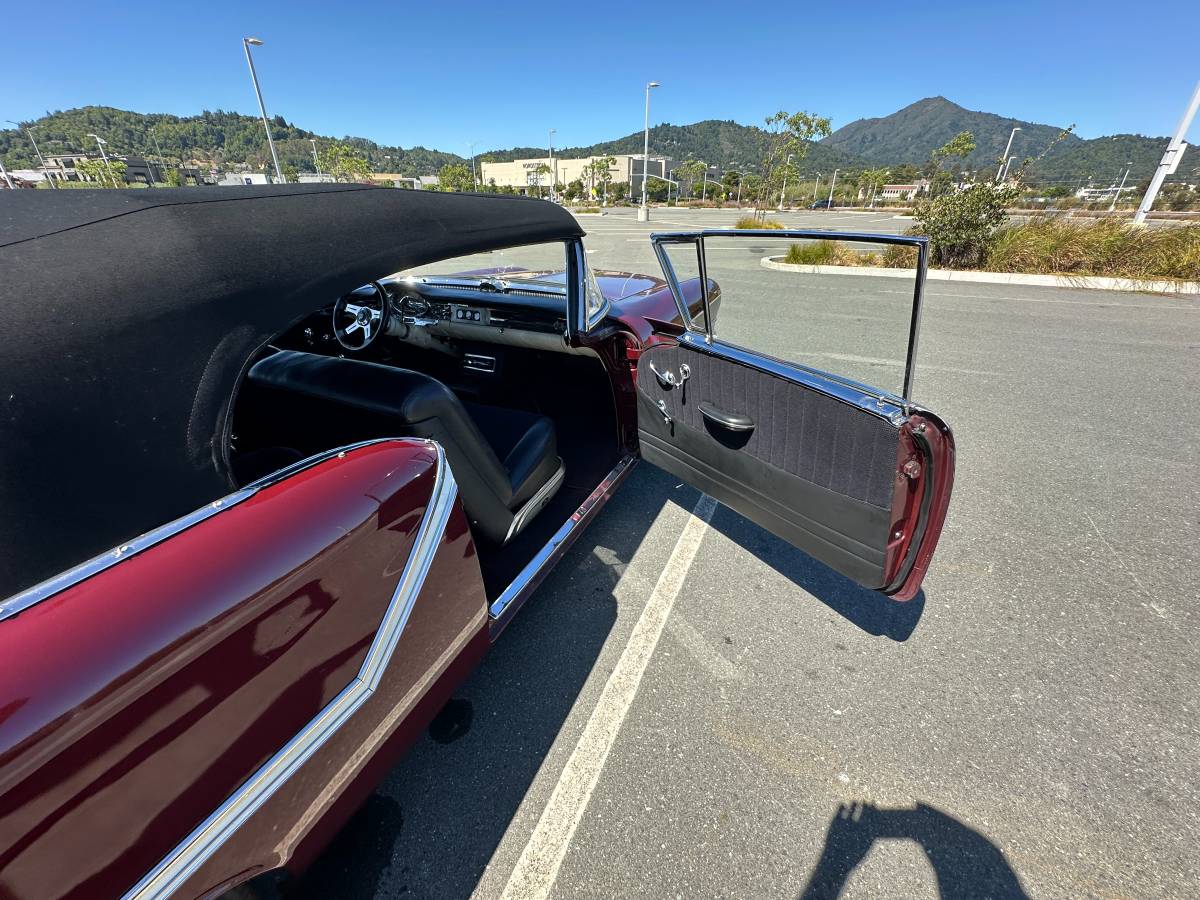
[869, 610]
[965, 863]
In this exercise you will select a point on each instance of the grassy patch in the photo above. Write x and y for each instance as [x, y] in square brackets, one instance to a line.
[1107, 247]
[752, 222]
[828, 253]
[585, 209]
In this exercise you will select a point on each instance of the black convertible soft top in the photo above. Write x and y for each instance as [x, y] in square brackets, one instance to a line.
[129, 317]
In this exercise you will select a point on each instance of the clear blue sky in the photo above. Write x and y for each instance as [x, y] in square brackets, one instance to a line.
[501, 73]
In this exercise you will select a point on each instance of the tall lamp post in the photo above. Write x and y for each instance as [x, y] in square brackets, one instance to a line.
[832, 185]
[1005, 160]
[816, 183]
[316, 160]
[783, 189]
[1007, 163]
[644, 210]
[247, 42]
[37, 152]
[1117, 196]
[553, 172]
[471, 148]
[100, 142]
[1170, 159]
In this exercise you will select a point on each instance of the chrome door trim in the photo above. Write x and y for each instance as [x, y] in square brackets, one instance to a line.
[879, 403]
[198, 847]
[921, 243]
[505, 606]
[31, 596]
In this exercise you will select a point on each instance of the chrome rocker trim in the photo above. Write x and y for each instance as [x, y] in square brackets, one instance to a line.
[31, 596]
[534, 504]
[199, 846]
[505, 606]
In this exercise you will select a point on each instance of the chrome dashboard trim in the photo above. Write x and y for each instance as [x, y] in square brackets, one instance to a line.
[207, 838]
[505, 606]
[34, 595]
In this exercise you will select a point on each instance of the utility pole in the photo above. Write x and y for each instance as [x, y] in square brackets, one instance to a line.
[316, 159]
[246, 44]
[471, 147]
[1170, 159]
[644, 210]
[832, 185]
[1117, 196]
[37, 152]
[1003, 170]
[162, 163]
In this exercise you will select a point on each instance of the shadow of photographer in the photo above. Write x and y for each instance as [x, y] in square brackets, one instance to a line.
[965, 863]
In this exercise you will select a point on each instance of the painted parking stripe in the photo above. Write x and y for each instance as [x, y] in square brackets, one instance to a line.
[533, 876]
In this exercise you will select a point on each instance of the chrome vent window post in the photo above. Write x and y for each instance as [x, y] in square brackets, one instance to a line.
[660, 240]
[586, 303]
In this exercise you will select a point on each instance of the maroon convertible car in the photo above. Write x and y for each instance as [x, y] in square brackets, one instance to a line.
[266, 504]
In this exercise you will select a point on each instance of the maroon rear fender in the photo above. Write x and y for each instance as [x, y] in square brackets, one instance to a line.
[136, 702]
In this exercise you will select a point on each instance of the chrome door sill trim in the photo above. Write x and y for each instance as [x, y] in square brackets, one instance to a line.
[534, 504]
[511, 599]
[31, 596]
[198, 847]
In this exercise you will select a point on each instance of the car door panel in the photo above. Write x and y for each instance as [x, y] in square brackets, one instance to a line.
[857, 477]
[813, 469]
[162, 682]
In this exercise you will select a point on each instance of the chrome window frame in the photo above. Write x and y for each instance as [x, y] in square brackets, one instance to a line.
[578, 273]
[659, 240]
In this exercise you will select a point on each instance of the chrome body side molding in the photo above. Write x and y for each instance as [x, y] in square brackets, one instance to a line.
[198, 847]
[505, 606]
[31, 596]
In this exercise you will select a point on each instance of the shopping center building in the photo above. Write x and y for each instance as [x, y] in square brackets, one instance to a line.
[527, 175]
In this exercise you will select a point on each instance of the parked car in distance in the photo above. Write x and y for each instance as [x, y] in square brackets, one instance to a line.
[821, 204]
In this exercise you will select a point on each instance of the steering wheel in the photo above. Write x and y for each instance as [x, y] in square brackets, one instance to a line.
[358, 320]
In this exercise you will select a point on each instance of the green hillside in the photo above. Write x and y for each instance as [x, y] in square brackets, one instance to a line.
[717, 142]
[911, 134]
[214, 138]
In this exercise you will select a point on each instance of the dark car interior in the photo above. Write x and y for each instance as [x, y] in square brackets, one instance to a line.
[528, 424]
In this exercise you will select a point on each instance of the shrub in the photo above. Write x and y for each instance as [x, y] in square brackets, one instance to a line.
[962, 224]
[585, 209]
[899, 256]
[1104, 247]
[752, 222]
[826, 253]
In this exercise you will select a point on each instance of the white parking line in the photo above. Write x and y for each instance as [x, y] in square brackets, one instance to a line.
[533, 876]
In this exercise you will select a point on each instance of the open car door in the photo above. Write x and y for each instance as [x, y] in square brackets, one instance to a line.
[756, 406]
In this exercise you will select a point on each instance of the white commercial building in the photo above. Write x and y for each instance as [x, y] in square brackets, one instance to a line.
[527, 175]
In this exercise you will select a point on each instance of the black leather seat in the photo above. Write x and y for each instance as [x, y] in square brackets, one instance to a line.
[318, 402]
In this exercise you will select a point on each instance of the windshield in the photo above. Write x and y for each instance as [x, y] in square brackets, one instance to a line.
[538, 265]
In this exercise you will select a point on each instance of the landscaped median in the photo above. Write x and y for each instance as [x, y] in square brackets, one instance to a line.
[1106, 256]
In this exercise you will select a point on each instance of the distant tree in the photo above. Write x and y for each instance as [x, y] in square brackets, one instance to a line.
[290, 173]
[541, 171]
[599, 174]
[788, 134]
[456, 177]
[345, 163]
[689, 173]
[752, 185]
[173, 177]
[109, 174]
[870, 181]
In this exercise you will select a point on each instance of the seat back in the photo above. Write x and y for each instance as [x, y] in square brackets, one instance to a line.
[317, 402]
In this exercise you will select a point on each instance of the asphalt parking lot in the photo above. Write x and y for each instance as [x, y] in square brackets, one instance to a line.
[1026, 726]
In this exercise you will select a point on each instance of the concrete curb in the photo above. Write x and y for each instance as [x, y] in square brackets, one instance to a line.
[1087, 282]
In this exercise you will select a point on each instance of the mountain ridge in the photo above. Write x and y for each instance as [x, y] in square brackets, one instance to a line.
[903, 138]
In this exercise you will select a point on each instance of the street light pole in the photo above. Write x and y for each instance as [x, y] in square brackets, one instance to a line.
[553, 173]
[1007, 163]
[100, 142]
[816, 183]
[783, 189]
[474, 178]
[1117, 196]
[37, 152]
[832, 184]
[1170, 160]
[262, 108]
[316, 160]
[7, 178]
[644, 211]
[1003, 170]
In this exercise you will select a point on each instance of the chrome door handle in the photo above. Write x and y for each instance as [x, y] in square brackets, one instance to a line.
[668, 380]
[662, 410]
